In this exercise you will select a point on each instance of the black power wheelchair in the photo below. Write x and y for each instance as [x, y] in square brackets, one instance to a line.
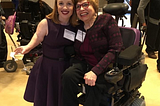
[29, 14]
[128, 72]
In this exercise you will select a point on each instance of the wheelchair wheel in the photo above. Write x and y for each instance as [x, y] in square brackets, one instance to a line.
[10, 66]
[138, 102]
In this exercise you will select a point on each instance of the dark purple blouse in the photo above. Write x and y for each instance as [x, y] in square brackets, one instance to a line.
[87, 52]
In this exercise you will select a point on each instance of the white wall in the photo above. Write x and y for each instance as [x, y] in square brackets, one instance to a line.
[102, 3]
[50, 2]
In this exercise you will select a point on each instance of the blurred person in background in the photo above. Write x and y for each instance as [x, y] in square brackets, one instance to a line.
[152, 15]
[3, 41]
[15, 2]
[153, 27]
[134, 5]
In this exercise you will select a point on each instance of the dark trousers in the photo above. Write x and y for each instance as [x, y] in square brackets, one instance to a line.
[3, 47]
[74, 76]
[158, 60]
[134, 7]
[153, 37]
[15, 2]
[158, 43]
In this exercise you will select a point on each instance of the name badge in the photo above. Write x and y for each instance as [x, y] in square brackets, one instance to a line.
[69, 35]
[80, 35]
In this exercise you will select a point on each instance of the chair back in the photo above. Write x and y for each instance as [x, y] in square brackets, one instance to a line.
[130, 36]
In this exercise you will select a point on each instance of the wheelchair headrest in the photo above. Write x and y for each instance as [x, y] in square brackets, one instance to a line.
[35, 1]
[24, 16]
[116, 9]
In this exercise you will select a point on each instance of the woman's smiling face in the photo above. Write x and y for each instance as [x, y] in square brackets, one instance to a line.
[65, 9]
[85, 11]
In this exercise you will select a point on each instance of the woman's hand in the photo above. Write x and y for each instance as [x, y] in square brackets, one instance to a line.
[90, 78]
[21, 49]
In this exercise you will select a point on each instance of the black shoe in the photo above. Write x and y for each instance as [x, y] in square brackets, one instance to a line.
[152, 55]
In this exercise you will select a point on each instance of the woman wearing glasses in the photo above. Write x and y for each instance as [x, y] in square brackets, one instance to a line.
[97, 40]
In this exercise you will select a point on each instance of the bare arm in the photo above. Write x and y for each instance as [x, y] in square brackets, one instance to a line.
[41, 32]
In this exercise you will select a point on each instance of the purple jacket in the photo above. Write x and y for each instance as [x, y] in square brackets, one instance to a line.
[105, 39]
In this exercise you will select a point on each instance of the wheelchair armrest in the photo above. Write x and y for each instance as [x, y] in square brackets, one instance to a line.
[117, 9]
[130, 55]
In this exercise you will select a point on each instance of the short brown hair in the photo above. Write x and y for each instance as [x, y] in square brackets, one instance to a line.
[54, 15]
[93, 3]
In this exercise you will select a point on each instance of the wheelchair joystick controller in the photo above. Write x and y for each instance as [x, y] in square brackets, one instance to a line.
[114, 75]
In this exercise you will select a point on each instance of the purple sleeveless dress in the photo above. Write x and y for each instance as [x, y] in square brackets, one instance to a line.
[44, 83]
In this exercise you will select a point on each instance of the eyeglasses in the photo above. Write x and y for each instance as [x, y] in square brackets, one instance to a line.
[84, 5]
